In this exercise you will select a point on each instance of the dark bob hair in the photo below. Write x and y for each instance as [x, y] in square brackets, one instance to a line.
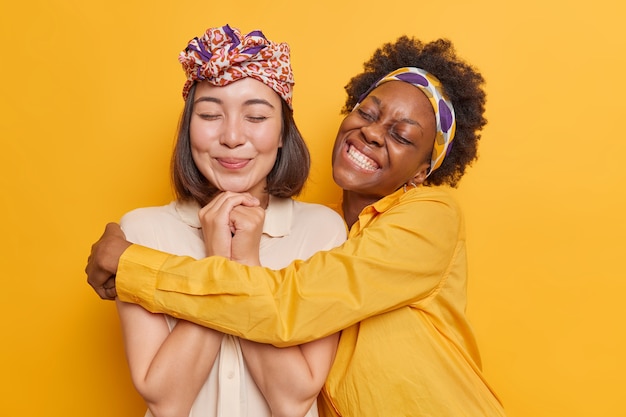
[286, 179]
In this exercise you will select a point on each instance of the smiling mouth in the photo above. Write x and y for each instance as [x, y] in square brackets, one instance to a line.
[233, 163]
[361, 160]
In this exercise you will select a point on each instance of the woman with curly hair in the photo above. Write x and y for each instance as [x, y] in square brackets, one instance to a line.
[396, 289]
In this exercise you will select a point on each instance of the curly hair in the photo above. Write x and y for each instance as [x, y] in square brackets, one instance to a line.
[462, 83]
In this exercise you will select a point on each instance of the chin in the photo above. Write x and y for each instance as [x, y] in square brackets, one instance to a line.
[347, 182]
[341, 180]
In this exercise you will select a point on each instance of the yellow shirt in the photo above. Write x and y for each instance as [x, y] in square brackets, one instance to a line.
[397, 289]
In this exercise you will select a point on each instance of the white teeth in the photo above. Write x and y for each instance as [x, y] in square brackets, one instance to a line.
[361, 160]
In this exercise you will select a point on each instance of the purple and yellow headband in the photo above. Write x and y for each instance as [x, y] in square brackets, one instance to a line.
[222, 56]
[444, 112]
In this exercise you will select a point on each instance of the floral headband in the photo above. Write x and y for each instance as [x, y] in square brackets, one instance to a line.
[444, 112]
[222, 56]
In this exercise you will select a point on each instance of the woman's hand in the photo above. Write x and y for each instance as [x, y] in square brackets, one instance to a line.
[232, 224]
[103, 259]
[246, 242]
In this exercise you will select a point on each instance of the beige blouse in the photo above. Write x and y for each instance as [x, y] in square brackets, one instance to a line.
[292, 230]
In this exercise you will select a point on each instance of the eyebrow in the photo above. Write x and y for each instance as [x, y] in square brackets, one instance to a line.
[250, 102]
[209, 99]
[257, 101]
[404, 120]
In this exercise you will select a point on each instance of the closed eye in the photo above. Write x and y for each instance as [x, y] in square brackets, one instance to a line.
[209, 116]
[365, 115]
[256, 119]
[400, 139]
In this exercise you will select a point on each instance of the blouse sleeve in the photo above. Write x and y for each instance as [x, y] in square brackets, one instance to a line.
[392, 259]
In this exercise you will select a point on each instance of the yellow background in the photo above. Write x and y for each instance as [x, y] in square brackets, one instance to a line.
[90, 98]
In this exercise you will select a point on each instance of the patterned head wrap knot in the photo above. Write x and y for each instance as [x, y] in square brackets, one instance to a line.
[444, 112]
[222, 56]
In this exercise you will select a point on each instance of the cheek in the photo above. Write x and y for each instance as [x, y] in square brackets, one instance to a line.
[407, 162]
[200, 138]
[345, 126]
[193, 142]
[197, 161]
[351, 121]
[268, 139]
[268, 146]
[337, 149]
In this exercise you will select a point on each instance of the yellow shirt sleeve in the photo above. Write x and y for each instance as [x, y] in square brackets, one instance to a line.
[398, 254]
[140, 287]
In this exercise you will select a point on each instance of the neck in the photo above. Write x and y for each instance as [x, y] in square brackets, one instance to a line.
[353, 204]
[264, 199]
[261, 194]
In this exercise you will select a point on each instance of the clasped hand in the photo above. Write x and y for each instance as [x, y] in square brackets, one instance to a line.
[232, 224]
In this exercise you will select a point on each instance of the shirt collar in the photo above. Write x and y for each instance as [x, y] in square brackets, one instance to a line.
[388, 201]
[380, 206]
[278, 215]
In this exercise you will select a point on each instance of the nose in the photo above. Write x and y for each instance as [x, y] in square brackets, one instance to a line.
[374, 134]
[232, 135]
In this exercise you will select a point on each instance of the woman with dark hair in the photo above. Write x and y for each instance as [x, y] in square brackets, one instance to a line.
[396, 289]
[237, 140]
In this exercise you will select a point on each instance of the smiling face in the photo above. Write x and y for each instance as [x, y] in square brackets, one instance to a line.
[385, 142]
[235, 133]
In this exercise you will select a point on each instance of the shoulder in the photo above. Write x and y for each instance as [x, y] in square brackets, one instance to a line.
[316, 213]
[167, 228]
[433, 193]
[318, 223]
[143, 221]
[421, 209]
[147, 215]
[431, 198]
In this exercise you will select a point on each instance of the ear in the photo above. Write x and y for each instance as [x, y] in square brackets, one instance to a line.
[422, 171]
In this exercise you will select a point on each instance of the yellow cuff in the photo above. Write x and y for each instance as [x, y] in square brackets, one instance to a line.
[136, 275]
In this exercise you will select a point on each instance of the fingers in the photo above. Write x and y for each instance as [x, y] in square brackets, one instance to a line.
[218, 227]
[216, 214]
[248, 225]
[102, 261]
[113, 229]
[226, 201]
[247, 218]
[215, 220]
[109, 289]
[219, 211]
